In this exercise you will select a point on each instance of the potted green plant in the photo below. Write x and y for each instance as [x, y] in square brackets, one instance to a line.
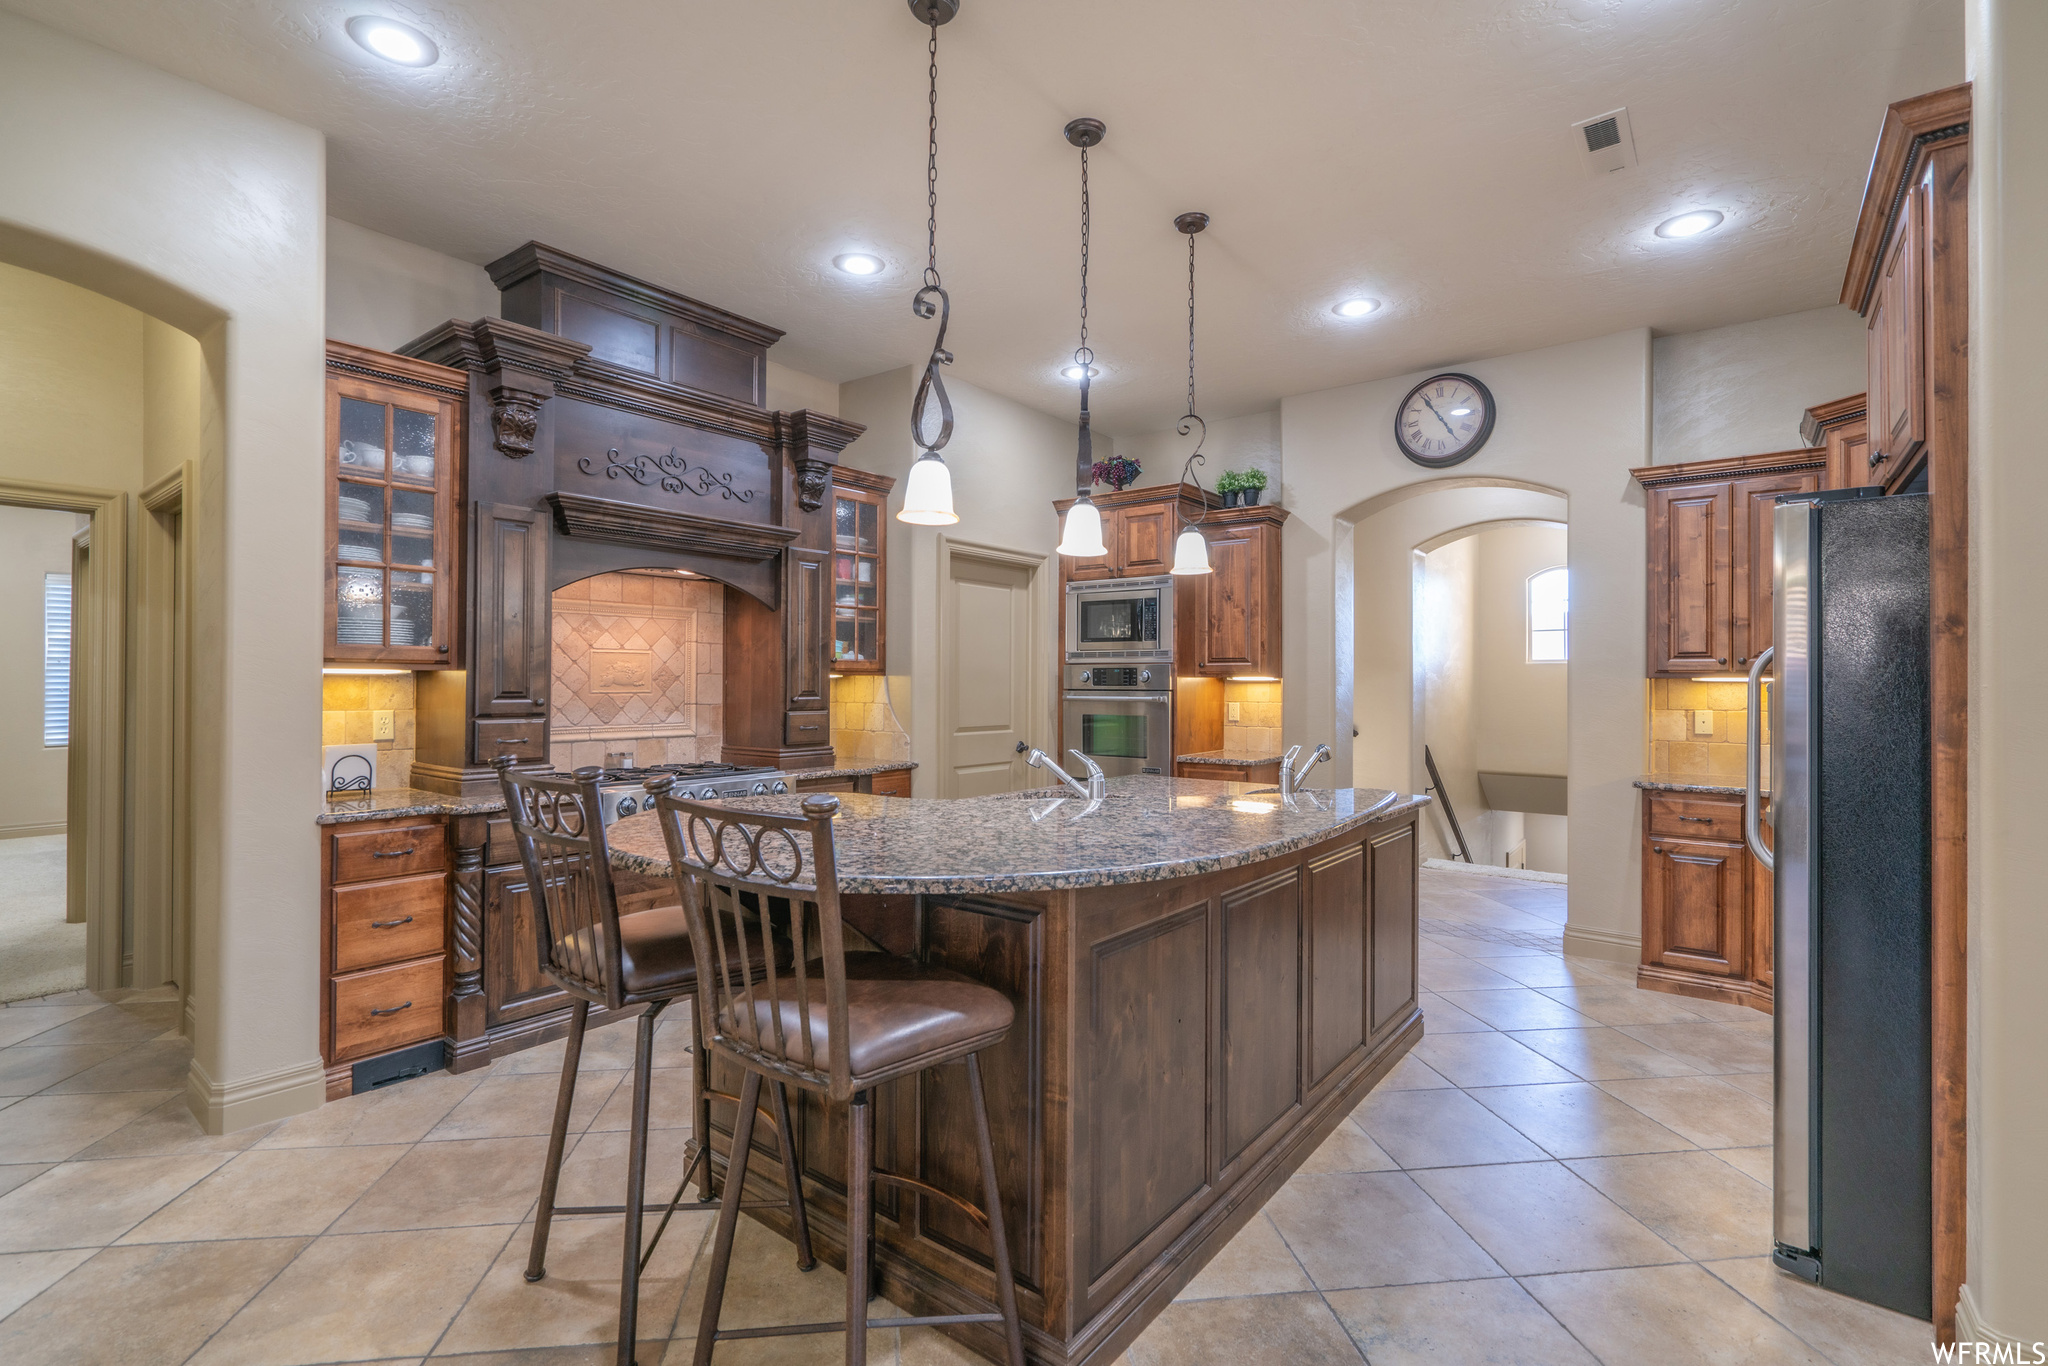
[1230, 484]
[1251, 484]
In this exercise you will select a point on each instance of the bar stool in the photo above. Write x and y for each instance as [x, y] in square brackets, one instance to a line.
[835, 1023]
[601, 957]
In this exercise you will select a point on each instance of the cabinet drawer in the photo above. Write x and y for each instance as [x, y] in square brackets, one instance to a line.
[1215, 773]
[373, 855]
[1696, 818]
[892, 784]
[803, 728]
[520, 739]
[827, 785]
[386, 1008]
[384, 922]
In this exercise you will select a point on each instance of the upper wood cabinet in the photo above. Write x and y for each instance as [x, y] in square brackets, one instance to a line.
[1710, 557]
[1840, 429]
[860, 536]
[1138, 530]
[393, 468]
[1895, 341]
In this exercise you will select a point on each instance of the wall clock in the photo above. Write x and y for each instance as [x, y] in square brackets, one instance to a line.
[1444, 420]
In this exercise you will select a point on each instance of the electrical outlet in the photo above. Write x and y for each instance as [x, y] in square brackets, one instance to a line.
[1232, 712]
[1703, 722]
[383, 726]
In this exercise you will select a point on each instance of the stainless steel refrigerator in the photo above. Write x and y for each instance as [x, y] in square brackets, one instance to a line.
[1850, 850]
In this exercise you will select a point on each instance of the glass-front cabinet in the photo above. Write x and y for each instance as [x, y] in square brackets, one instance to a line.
[860, 521]
[393, 446]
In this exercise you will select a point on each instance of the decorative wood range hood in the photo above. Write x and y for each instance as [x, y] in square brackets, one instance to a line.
[614, 424]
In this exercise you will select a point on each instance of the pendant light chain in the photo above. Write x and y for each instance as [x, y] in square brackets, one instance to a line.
[931, 170]
[1191, 322]
[1191, 224]
[1084, 357]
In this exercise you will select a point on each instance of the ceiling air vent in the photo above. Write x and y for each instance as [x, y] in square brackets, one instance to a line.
[1606, 142]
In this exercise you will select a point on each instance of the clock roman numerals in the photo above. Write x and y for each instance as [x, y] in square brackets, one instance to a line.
[1444, 420]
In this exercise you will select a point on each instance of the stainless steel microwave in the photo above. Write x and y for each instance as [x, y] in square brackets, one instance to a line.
[1120, 619]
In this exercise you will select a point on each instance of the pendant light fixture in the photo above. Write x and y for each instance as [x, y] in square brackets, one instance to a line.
[928, 492]
[1082, 535]
[1191, 548]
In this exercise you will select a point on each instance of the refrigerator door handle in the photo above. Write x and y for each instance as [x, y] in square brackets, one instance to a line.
[1752, 800]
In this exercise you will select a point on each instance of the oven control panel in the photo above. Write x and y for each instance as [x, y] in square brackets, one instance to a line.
[1114, 676]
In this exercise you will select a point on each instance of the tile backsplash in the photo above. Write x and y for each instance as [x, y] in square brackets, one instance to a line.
[1257, 727]
[639, 668]
[349, 704]
[1675, 745]
[864, 725]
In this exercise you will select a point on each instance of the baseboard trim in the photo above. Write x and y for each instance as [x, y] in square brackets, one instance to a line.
[1519, 874]
[1615, 946]
[1970, 1327]
[27, 832]
[278, 1094]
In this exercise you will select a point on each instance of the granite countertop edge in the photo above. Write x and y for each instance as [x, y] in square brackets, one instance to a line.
[1710, 784]
[1228, 757]
[387, 803]
[968, 884]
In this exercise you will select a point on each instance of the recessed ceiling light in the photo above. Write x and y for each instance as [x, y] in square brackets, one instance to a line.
[1356, 308]
[1690, 224]
[393, 41]
[1074, 372]
[858, 263]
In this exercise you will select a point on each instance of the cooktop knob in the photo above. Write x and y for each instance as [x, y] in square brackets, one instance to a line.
[705, 794]
[760, 789]
[1144, 675]
[627, 806]
[779, 787]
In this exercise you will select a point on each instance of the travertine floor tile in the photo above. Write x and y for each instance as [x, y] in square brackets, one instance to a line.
[1517, 1008]
[1712, 1048]
[669, 1096]
[1412, 1074]
[1754, 1163]
[651, 1352]
[764, 1287]
[169, 1130]
[1758, 1084]
[1260, 1330]
[159, 1065]
[1851, 1332]
[1254, 1262]
[25, 1275]
[1694, 1201]
[1668, 1314]
[396, 1114]
[30, 1023]
[505, 1107]
[1489, 1059]
[1602, 1054]
[123, 1024]
[142, 1306]
[52, 1128]
[25, 1071]
[594, 1172]
[1372, 1228]
[1577, 1119]
[464, 1181]
[578, 1301]
[1706, 1110]
[1471, 1323]
[268, 1192]
[1347, 1149]
[1622, 1005]
[1441, 1017]
[360, 1297]
[1550, 970]
[1537, 1217]
[86, 1204]
[1440, 1128]
[19, 1173]
[1462, 974]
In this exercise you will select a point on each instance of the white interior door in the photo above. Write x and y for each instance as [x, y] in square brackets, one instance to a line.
[991, 687]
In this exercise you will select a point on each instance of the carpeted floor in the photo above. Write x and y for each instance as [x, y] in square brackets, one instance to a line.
[39, 953]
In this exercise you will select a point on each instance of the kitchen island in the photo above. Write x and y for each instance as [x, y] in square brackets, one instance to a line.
[1208, 978]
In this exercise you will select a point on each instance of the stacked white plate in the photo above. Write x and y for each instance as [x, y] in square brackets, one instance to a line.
[369, 553]
[359, 631]
[413, 521]
[353, 509]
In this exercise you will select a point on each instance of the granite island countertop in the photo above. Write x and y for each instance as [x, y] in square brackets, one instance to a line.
[1147, 829]
[387, 802]
[1229, 758]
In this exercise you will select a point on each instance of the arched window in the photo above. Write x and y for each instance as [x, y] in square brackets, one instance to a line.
[1549, 613]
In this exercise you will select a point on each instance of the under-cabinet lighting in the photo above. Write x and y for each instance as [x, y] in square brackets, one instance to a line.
[393, 41]
[1253, 678]
[1721, 678]
[366, 671]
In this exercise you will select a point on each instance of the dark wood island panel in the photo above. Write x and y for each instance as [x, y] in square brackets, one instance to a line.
[1182, 1047]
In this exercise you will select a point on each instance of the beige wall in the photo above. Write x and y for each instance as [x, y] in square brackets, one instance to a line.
[1741, 390]
[2008, 1083]
[1444, 669]
[1009, 463]
[383, 292]
[33, 543]
[1251, 442]
[209, 215]
[1573, 420]
[1519, 706]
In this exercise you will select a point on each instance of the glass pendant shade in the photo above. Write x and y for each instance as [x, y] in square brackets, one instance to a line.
[1083, 533]
[1190, 553]
[928, 496]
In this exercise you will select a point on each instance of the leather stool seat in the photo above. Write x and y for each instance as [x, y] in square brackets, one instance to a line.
[656, 957]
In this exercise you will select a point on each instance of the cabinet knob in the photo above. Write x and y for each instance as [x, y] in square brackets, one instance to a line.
[1743, 660]
[1722, 660]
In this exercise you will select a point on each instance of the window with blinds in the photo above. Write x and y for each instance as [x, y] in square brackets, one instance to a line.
[56, 660]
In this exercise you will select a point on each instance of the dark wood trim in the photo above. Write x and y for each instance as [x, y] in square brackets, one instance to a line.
[1910, 127]
[1655, 977]
[532, 258]
[1728, 467]
[602, 519]
[1822, 418]
[388, 368]
[867, 481]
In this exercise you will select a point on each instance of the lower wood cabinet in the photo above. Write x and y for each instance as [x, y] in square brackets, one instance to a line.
[1706, 902]
[383, 940]
[895, 783]
[1268, 772]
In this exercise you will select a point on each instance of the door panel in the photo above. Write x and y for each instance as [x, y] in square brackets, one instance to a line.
[1754, 557]
[1145, 540]
[513, 986]
[1393, 874]
[1337, 961]
[1261, 1009]
[1689, 572]
[987, 673]
[1694, 898]
[513, 612]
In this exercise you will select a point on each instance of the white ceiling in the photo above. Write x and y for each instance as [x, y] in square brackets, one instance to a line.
[1418, 151]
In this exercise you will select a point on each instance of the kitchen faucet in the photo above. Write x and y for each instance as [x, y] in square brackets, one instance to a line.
[1096, 786]
[1289, 778]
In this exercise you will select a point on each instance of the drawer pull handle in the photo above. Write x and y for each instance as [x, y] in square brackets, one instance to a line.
[393, 1010]
[390, 924]
[395, 853]
[1702, 820]
[508, 744]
